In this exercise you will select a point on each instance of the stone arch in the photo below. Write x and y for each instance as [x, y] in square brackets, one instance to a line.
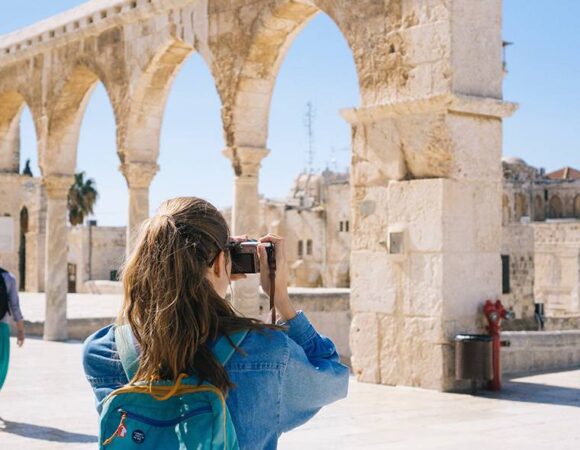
[12, 104]
[138, 138]
[65, 118]
[246, 123]
[505, 207]
[556, 208]
[577, 206]
[539, 208]
[520, 206]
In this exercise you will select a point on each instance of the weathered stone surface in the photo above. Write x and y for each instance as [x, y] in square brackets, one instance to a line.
[365, 344]
[531, 351]
[139, 176]
[430, 108]
[557, 268]
[375, 282]
[56, 281]
[411, 351]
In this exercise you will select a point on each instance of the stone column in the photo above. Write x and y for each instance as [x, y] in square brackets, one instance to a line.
[56, 283]
[245, 219]
[139, 176]
[426, 199]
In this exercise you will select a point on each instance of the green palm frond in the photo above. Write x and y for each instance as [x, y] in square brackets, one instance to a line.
[82, 198]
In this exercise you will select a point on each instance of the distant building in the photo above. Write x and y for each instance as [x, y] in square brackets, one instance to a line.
[94, 253]
[541, 244]
[315, 221]
[540, 238]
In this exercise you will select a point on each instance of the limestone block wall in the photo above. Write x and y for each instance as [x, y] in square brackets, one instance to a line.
[10, 205]
[34, 199]
[329, 311]
[336, 268]
[108, 251]
[517, 242]
[557, 269]
[96, 251]
[301, 228]
[18, 192]
[531, 351]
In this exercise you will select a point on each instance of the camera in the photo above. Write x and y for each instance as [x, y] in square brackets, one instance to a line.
[244, 256]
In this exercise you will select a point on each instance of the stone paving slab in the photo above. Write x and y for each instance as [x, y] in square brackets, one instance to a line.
[46, 404]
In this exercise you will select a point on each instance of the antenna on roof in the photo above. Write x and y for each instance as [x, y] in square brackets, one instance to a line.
[309, 125]
[505, 45]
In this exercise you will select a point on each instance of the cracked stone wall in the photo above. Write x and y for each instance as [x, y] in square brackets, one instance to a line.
[557, 283]
[426, 144]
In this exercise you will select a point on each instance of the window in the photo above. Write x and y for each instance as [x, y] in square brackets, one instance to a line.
[300, 249]
[505, 274]
[309, 247]
[346, 226]
[341, 227]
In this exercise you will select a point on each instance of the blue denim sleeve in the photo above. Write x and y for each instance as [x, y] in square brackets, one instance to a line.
[102, 366]
[314, 376]
[12, 288]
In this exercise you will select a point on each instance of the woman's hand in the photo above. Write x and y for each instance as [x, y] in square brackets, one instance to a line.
[20, 330]
[281, 298]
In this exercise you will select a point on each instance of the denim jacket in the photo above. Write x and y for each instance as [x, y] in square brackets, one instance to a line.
[282, 381]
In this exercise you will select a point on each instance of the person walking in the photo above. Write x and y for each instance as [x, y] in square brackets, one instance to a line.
[9, 306]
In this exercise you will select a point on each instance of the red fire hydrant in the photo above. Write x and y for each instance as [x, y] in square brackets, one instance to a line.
[494, 313]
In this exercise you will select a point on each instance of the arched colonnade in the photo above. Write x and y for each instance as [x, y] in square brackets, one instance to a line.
[426, 144]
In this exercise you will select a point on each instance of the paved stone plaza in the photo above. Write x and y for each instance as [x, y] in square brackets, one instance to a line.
[46, 404]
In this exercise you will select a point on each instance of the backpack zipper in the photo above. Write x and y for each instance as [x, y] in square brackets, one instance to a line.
[164, 423]
[119, 431]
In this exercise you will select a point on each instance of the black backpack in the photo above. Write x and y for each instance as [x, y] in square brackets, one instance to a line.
[4, 300]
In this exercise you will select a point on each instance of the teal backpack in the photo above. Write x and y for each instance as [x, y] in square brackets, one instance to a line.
[182, 415]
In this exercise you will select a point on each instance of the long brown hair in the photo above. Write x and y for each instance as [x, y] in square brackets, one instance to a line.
[171, 306]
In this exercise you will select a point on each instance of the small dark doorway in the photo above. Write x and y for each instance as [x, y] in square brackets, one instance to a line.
[22, 248]
[72, 278]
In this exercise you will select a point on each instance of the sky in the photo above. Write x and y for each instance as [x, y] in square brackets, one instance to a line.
[544, 75]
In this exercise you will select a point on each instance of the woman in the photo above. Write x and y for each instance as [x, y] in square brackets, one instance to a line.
[9, 306]
[175, 283]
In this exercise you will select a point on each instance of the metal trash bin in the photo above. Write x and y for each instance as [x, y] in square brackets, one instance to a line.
[473, 357]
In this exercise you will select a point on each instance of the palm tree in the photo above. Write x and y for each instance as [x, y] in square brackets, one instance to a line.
[82, 198]
[27, 170]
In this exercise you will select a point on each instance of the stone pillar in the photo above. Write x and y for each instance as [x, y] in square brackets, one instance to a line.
[139, 176]
[56, 284]
[10, 146]
[426, 196]
[245, 219]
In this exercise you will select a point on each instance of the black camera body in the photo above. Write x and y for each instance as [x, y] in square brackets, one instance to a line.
[244, 256]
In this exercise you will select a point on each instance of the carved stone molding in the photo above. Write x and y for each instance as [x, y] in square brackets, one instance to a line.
[57, 186]
[139, 175]
[246, 160]
[453, 103]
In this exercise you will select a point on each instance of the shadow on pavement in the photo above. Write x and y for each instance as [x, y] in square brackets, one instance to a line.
[521, 391]
[43, 433]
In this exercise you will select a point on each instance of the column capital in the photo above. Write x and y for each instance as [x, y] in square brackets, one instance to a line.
[246, 160]
[57, 186]
[139, 174]
[453, 103]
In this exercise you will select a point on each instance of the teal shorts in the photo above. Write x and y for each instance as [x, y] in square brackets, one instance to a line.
[4, 351]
